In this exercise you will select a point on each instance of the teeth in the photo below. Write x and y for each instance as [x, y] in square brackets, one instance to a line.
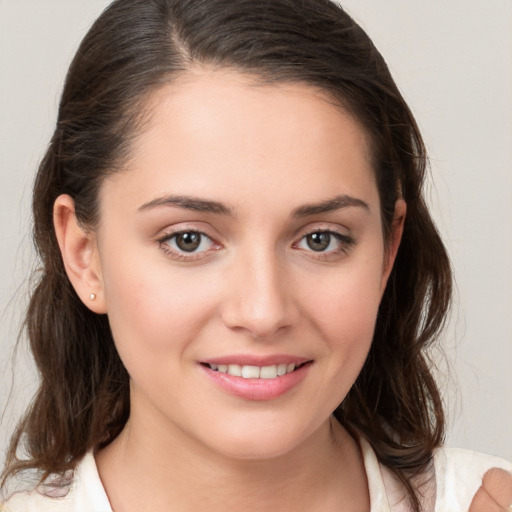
[251, 372]
[235, 370]
[254, 372]
[268, 372]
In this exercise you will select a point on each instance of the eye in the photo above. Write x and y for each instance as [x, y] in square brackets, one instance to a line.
[189, 241]
[187, 244]
[325, 241]
[319, 242]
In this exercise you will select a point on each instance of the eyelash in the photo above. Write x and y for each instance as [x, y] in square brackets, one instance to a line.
[184, 255]
[346, 243]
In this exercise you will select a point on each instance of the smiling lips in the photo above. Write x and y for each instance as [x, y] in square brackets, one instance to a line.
[245, 378]
[255, 372]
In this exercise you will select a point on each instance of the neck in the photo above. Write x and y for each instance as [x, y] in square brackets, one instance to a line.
[142, 472]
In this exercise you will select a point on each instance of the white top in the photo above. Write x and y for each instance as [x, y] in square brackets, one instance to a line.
[458, 475]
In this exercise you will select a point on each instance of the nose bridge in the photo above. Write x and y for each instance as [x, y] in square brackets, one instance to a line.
[259, 300]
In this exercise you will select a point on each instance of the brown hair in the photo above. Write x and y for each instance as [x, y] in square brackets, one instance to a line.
[132, 49]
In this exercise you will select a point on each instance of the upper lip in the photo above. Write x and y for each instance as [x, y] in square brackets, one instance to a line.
[254, 360]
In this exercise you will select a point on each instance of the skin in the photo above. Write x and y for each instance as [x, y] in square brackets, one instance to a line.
[495, 493]
[253, 287]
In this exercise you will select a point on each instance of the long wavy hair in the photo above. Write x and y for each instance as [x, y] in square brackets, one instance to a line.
[134, 48]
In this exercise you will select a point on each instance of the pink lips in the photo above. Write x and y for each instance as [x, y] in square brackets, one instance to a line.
[257, 389]
[251, 360]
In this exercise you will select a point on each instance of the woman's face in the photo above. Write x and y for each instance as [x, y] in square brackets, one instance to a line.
[243, 237]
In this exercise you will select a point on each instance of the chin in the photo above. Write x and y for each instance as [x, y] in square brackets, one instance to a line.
[262, 443]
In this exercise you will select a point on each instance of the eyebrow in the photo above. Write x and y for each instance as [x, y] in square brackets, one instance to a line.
[189, 203]
[203, 205]
[330, 205]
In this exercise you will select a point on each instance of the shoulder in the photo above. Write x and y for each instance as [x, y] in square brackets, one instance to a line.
[32, 502]
[80, 492]
[44, 498]
[448, 485]
[458, 475]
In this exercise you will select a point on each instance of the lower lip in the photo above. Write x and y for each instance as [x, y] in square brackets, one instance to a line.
[257, 389]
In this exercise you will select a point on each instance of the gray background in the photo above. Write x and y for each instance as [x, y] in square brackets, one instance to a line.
[453, 62]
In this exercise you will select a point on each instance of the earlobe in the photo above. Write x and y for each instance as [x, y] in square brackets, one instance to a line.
[397, 228]
[79, 252]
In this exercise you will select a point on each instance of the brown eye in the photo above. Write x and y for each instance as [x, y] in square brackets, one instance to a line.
[325, 244]
[189, 241]
[319, 241]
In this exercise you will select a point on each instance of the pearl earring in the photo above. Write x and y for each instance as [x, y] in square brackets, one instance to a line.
[92, 296]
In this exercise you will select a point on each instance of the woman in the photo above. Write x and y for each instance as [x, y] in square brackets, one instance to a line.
[240, 276]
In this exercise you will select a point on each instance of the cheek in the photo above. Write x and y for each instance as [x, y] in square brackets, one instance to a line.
[151, 308]
[348, 302]
[344, 312]
[340, 318]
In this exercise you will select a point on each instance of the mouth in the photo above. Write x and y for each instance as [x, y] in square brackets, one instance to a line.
[257, 372]
[257, 377]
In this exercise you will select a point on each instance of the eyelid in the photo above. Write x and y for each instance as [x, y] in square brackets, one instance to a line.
[178, 255]
[324, 227]
[346, 241]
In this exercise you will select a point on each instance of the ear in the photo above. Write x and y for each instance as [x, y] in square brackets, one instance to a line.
[397, 228]
[79, 252]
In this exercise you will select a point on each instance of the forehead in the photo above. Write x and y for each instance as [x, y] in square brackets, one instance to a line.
[215, 132]
[204, 97]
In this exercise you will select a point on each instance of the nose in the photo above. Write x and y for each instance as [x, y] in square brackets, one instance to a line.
[260, 299]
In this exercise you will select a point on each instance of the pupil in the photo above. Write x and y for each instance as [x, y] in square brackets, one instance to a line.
[188, 242]
[318, 241]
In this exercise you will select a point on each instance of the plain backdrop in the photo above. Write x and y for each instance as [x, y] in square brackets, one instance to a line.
[453, 62]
